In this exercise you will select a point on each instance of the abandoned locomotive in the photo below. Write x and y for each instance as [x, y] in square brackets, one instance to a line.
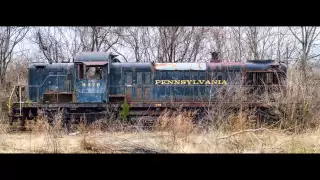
[97, 80]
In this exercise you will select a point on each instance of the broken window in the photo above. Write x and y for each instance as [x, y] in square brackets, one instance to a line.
[93, 72]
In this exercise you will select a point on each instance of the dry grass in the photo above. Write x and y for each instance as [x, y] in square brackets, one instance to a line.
[173, 133]
[246, 141]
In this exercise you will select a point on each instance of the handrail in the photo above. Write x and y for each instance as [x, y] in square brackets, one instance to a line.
[20, 100]
[9, 101]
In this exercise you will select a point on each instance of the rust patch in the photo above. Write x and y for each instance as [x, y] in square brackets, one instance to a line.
[139, 93]
[129, 93]
[147, 94]
[58, 97]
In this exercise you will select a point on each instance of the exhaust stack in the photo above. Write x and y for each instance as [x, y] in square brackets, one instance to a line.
[215, 57]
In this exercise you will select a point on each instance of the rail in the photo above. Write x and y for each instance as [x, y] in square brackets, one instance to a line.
[20, 100]
[9, 101]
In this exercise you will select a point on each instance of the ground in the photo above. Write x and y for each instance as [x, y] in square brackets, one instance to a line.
[248, 141]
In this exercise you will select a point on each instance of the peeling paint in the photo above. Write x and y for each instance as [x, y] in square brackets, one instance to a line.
[91, 90]
[226, 66]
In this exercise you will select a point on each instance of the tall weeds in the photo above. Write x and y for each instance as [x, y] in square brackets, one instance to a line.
[299, 107]
[294, 107]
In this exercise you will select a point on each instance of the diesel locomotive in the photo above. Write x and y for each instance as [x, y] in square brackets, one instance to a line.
[95, 81]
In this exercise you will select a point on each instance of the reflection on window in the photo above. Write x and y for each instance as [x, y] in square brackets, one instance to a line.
[129, 78]
[147, 77]
[93, 73]
[139, 77]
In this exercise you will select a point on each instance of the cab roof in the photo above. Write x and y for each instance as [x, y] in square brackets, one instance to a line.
[92, 56]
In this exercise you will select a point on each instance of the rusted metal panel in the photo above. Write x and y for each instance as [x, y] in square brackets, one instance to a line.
[180, 66]
[147, 80]
[129, 78]
[147, 93]
[95, 63]
[129, 93]
[58, 97]
[139, 93]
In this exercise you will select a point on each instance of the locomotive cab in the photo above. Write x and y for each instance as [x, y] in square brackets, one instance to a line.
[92, 77]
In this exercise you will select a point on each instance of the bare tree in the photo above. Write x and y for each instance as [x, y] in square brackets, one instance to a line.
[285, 45]
[219, 40]
[161, 44]
[98, 38]
[62, 43]
[138, 41]
[49, 44]
[237, 34]
[306, 37]
[179, 44]
[9, 38]
[260, 41]
[71, 40]
[56, 44]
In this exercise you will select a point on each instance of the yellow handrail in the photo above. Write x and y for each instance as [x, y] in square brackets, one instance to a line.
[9, 101]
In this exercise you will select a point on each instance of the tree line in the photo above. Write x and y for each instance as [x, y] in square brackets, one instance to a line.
[295, 46]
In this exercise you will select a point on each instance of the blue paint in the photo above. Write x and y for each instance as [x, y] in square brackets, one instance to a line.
[44, 77]
[89, 91]
[226, 71]
[93, 91]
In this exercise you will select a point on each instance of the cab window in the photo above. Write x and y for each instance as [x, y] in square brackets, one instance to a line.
[93, 72]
